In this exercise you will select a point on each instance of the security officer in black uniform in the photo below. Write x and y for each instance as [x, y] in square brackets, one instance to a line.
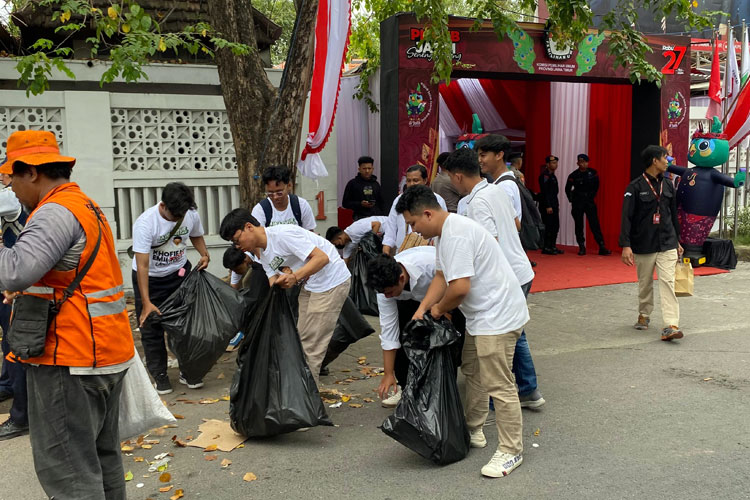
[581, 190]
[549, 205]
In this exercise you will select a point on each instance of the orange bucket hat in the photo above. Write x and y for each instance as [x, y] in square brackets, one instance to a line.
[33, 147]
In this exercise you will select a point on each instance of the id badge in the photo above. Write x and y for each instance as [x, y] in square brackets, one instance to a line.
[657, 218]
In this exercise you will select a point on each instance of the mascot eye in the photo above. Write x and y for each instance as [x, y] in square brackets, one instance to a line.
[703, 145]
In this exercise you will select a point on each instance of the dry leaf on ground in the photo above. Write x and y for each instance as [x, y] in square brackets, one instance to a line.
[177, 416]
[220, 376]
[165, 478]
[210, 458]
[226, 463]
[127, 448]
[536, 432]
[210, 447]
[128, 476]
[355, 405]
[249, 477]
[138, 459]
[177, 495]
[208, 401]
[165, 489]
[224, 398]
[345, 398]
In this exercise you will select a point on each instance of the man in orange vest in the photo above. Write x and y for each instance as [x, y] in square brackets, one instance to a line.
[74, 385]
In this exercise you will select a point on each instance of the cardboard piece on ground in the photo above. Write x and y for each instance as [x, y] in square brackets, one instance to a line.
[217, 432]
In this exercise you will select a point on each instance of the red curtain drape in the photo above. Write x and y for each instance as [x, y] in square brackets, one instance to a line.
[457, 103]
[610, 122]
[538, 137]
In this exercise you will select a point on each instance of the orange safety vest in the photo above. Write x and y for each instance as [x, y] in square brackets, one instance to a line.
[92, 328]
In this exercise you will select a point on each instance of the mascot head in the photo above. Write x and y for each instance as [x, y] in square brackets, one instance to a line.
[709, 149]
[468, 140]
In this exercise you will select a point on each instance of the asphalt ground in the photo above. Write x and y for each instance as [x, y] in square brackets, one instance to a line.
[627, 416]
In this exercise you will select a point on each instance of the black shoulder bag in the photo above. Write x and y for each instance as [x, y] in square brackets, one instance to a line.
[131, 253]
[33, 316]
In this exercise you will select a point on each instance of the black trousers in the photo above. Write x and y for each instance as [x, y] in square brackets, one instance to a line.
[152, 338]
[587, 208]
[13, 376]
[551, 226]
[74, 428]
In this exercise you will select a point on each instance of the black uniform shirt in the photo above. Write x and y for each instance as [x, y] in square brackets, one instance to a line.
[582, 185]
[637, 229]
[548, 190]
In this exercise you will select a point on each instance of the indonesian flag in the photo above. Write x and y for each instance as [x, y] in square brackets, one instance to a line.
[331, 41]
[733, 85]
[738, 125]
[714, 87]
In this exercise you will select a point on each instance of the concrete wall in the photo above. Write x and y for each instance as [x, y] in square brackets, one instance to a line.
[132, 139]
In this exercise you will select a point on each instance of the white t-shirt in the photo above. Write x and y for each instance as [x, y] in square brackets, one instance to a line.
[420, 266]
[290, 246]
[358, 229]
[511, 188]
[495, 303]
[286, 216]
[236, 278]
[491, 207]
[151, 229]
[396, 229]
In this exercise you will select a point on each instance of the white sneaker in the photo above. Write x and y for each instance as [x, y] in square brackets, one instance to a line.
[501, 464]
[392, 401]
[196, 385]
[477, 439]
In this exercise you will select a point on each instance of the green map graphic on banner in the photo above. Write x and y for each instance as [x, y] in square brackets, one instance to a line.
[586, 57]
[523, 52]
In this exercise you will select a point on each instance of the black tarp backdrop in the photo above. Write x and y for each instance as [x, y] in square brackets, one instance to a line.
[648, 22]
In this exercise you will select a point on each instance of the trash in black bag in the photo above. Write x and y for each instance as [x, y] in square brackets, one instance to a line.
[200, 319]
[351, 327]
[256, 290]
[364, 297]
[429, 419]
[273, 390]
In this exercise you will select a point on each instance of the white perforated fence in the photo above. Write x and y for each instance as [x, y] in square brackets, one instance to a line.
[13, 119]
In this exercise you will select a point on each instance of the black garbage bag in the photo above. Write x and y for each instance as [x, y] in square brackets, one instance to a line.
[273, 391]
[350, 328]
[429, 419]
[364, 297]
[200, 319]
[255, 292]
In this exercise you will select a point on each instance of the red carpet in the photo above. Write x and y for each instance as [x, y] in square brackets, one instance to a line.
[569, 270]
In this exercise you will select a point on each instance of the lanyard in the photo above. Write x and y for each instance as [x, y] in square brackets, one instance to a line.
[658, 196]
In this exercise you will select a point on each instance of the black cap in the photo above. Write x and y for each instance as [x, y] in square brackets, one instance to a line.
[550, 158]
[583, 157]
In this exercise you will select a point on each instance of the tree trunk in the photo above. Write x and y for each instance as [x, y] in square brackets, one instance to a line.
[265, 122]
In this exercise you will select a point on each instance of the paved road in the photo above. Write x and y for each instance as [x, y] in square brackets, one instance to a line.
[627, 416]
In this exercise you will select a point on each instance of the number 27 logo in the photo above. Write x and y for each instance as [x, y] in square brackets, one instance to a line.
[674, 59]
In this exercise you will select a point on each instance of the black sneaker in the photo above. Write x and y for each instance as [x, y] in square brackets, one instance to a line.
[9, 429]
[557, 250]
[581, 251]
[4, 395]
[548, 251]
[324, 371]
[604, 251]
[163, 386]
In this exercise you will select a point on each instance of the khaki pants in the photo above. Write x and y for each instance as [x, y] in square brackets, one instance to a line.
[487, 363]
[318, 313]
[664, 262]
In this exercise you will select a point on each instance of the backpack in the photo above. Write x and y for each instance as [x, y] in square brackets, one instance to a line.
[532, 228]
[265, 204]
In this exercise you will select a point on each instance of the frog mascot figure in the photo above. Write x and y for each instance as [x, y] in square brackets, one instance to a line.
[701, 189]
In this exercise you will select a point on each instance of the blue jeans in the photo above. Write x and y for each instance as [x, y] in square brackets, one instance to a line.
[13, 377]
[523, 365]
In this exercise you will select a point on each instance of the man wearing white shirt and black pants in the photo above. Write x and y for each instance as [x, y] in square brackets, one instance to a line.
[159, 266]
[401, 283]
[311, 260]
[348, 239]
[395, 228]
[473, 274]
[491, 207]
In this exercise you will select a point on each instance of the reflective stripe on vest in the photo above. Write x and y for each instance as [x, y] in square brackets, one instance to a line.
[105, 293]
[98, 309]
[41, 290]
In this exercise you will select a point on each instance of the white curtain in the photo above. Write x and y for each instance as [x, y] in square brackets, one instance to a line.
[570, 137]
[449, 129]
[357, 131]
[481, 105]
